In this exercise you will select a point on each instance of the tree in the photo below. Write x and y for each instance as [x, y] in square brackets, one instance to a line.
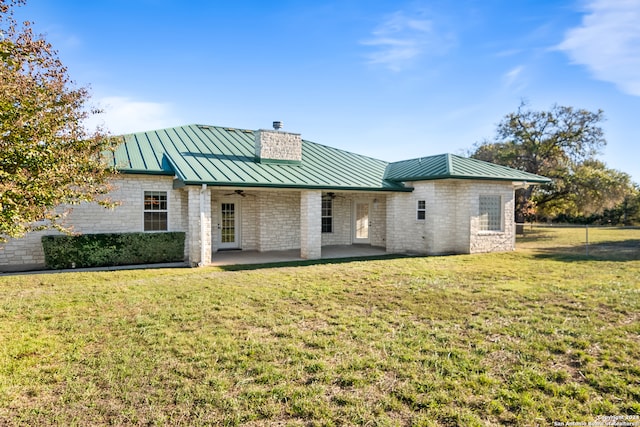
[47, 157]
[589, 191]
[552, 143]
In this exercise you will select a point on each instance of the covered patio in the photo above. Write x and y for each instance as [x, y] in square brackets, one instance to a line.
[239, 257]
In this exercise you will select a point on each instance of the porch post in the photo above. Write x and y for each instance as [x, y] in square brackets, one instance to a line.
[311, 224]
[199, 236]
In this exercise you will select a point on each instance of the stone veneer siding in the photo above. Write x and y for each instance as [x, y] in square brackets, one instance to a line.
[343, 220]
[493, 241]
[199, 232]
[271, 220]
[310, 224]
[278, 221]
[452, 223]
[26, 253]
[278, 145]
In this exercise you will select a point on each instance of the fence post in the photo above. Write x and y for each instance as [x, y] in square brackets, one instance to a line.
[586, 231]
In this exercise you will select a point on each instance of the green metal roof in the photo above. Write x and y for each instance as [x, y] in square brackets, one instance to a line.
[447, 166]
[213, 155]
[219, 156]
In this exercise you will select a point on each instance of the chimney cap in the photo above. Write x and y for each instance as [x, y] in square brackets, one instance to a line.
[277, 125]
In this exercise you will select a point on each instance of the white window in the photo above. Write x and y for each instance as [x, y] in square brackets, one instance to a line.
[327, 214]
[490, 213]
[421, 211]
[155, 211]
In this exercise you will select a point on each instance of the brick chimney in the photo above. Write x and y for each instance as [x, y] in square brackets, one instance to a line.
[276, 146]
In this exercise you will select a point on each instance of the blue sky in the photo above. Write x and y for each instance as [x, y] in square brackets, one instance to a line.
[389, 79]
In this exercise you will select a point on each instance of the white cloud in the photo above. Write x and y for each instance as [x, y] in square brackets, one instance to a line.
[400, 39]
[608, 43]
[513, 78]
[123, 115]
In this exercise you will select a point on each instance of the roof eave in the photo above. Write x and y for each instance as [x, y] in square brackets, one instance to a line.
[477, 178]
[296, 186]
[145, 172]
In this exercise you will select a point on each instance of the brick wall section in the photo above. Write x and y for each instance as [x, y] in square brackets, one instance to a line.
[449, 219]
[278, 225]
[343, 205]
[246, 209]
[378, 229]
[270, 220]
[310, 224]
[249, 221]
[342, 228]
[451, 224]
[26, 253]
[199, 231]
[491, 241]
[404, 232]
[278, 145]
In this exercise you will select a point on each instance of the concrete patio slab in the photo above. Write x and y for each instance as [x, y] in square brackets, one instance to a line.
[238, 257]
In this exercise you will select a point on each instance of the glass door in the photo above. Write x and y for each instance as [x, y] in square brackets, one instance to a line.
[361, 223]
[228, 225]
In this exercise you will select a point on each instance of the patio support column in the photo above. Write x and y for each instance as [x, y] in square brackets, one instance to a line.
[311, 224]
[199, 235]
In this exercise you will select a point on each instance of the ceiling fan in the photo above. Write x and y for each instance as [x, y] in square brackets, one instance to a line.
[238, 192]
[332, 195]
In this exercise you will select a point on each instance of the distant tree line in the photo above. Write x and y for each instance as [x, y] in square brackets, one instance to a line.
[562, 144]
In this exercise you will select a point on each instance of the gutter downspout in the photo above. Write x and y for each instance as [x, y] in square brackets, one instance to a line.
[202, 226]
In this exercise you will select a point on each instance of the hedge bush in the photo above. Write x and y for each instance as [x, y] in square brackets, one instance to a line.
[109, 249]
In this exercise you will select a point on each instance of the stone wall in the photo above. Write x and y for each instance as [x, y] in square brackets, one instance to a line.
[199, 227]
[343, 206]
[449, 219]
[493, 241]
[278, 145]
[405, 233]
[378, 229]
[26, 253]
[278, 225]
[310, 224]
[270, 220]
[451, 224]
[249, 221]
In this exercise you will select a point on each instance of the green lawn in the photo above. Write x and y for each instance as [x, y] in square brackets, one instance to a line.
[541, 335]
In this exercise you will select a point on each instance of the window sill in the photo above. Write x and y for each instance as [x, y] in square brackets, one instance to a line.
[490, 233]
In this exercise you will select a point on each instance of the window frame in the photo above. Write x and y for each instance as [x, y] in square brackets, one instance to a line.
[326, 215]
[421, 210]
[487, 211]
[158, 222]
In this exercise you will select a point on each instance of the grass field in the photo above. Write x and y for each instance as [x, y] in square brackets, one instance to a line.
[539, 336]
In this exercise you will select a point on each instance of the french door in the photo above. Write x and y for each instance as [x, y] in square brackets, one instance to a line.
[229, 226]
[361, 222]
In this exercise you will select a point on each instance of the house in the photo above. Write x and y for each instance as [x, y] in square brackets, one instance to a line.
[269, 190]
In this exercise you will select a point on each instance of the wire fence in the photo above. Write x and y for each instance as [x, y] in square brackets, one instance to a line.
[588, 240]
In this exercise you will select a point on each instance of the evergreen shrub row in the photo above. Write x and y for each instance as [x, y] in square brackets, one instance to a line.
[110, 249]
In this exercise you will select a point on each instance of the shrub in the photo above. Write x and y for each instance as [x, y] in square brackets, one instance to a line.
[109, 249]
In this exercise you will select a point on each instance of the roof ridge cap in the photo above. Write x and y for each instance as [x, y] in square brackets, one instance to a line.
[449, 163]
